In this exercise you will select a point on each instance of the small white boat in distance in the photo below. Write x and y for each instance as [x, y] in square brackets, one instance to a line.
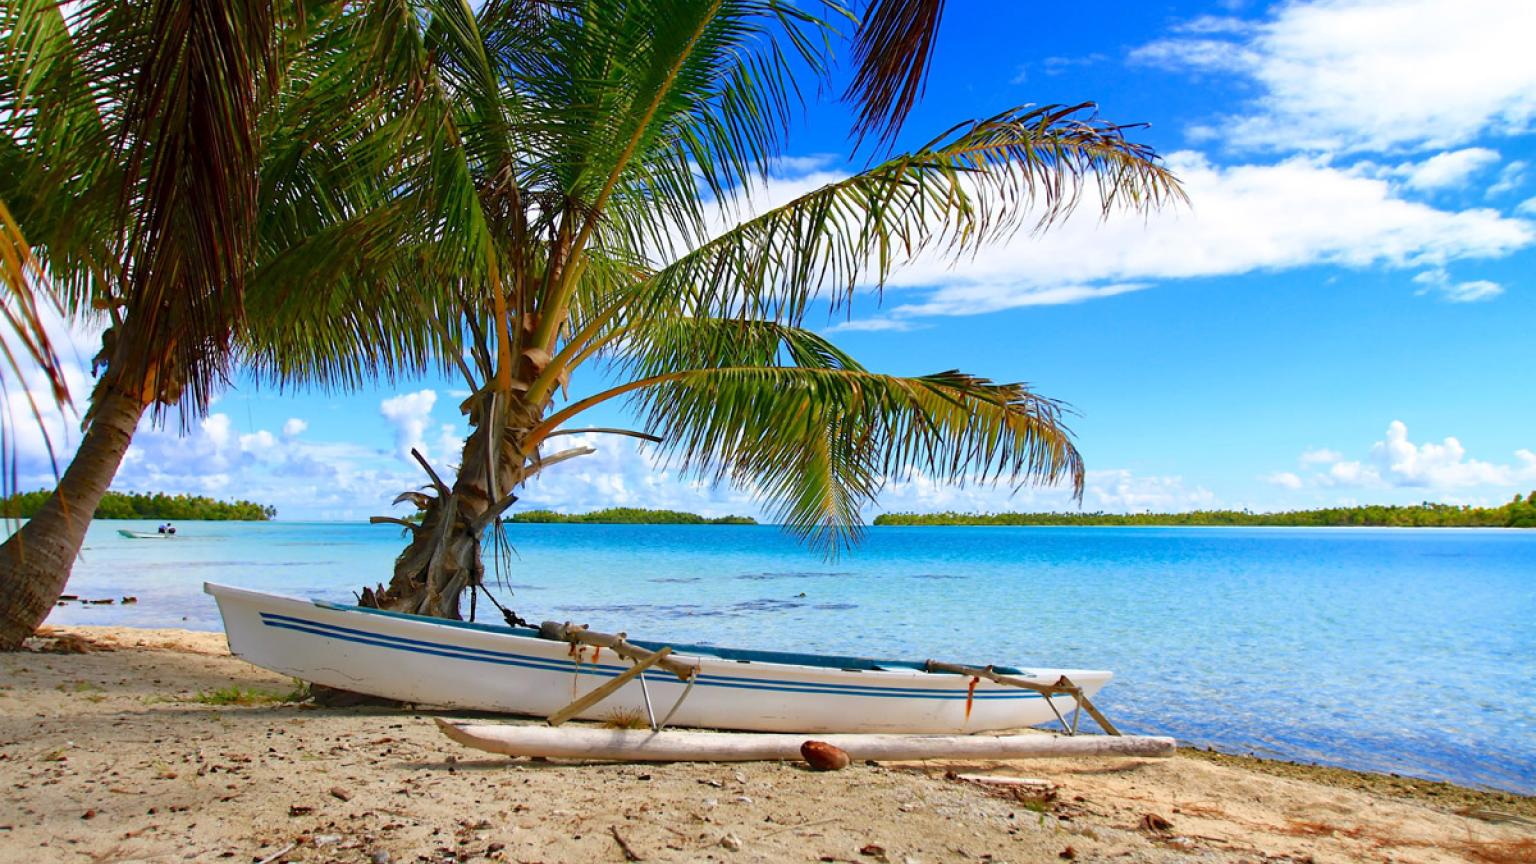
[457, 664]
[145, 535]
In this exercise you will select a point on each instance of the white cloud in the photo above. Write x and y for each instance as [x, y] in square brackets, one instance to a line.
[1350, 75]
[1528, 206]
[622, 473]
[1286, 479]
[1439, 282]
[1397, 462]
[409, 413]
[259, 443]
[791, 166]
[1510, 179]
[1244, 218]
[1448, 169]
[873, 325]
[294, 427]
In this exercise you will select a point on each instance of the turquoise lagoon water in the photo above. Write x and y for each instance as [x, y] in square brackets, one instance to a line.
[1395, 650]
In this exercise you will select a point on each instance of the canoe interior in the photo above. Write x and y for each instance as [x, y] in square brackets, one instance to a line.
[826, 661]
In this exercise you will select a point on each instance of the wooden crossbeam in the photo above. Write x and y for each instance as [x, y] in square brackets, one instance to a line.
[614, 642]
[1062, 687]
[598, 694]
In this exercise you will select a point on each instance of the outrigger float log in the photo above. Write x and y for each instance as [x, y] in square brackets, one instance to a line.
[585, 743]
[561, 671]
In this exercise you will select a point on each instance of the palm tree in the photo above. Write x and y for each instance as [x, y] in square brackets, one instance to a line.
[163, 153]
[564, 166]
[154, 153]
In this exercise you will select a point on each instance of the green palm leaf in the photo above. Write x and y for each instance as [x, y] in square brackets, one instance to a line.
[782, 412]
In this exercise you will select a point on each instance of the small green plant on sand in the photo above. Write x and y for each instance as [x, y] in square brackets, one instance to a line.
[235, 695]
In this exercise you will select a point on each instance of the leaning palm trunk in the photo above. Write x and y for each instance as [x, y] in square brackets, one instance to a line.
[35, 562]
[443, 558]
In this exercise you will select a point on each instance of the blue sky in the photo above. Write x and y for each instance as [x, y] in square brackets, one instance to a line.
[1343, 313]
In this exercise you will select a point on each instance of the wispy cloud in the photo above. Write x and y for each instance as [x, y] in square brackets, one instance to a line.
[1299, 212]
[1448, 169]
[1440, 283]
[1370, 75]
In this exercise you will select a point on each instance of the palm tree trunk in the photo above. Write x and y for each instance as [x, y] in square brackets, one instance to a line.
[35, 561]
[444, 558]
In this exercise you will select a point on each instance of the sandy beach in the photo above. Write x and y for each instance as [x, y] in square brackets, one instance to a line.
[123, 745]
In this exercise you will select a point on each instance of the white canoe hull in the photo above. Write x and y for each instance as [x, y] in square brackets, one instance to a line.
[420, 660]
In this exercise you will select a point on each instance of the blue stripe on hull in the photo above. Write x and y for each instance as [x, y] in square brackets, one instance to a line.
[480, 655]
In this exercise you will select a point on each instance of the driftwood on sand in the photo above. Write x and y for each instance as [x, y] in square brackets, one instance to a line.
[677, 746]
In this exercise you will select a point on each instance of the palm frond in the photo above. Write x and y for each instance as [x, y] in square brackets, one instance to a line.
[784, 413]
[1027, 168]
[818, 444]
[892, 50]
[190, 145]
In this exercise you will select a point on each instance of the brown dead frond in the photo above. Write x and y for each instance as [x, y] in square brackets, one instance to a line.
[624, 718]
[50, 641]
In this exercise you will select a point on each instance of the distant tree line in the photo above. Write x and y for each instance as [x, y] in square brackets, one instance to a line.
[631, 516]
[1518, 513]
[157, 505]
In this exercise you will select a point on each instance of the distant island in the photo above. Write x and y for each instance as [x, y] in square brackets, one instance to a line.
[1519, 513]
[158, 505]
[630, 516]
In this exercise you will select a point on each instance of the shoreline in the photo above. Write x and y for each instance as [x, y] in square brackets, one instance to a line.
[134, 745]
[1413, 786]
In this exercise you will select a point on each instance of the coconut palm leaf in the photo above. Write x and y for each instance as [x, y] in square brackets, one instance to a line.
[1026, 168]
[785, 413]
[817, 444]
[892, 52]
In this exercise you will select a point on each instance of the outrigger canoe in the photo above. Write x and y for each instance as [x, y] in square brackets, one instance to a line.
[481, 667]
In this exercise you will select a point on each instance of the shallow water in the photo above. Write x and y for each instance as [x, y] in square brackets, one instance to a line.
[1398, 650]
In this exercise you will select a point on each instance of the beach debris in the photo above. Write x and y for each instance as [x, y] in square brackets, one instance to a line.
[1154, 823]
[873, 850]
[1035, 794]
[378, 856]
[89, 814]
[629, 853]
[50, 641]
[340, 794]
[1067, 854]
[823, 756]
[300, 810]
[731, 842]
[1498, 816]
[280, 853]
[1002, 780]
